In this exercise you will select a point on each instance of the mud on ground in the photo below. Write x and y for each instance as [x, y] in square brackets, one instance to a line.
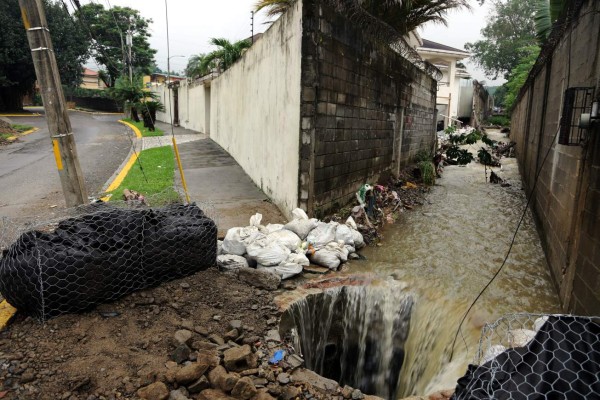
[111, 351]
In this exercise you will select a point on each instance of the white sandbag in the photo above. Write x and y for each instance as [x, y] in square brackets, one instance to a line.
[492, 352]
[267, 252]
[285, 270]
[273, 228]
[322, 234]
[299, 213]
[520, 337]
[339, 249]
[359, 241]
[287, 238]
[298, 258]
[344, 233]
[255, 220]
[231, 262]
[301, 227]
[351, 249]
[234, 240]
[351, 223]
[326, 258]
[219, 247]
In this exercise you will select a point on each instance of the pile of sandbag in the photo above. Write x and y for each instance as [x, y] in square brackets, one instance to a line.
[286, 249]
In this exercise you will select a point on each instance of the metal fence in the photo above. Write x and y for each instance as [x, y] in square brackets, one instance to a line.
[100, 252]
[535, 356]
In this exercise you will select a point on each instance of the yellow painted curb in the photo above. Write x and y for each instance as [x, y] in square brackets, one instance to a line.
[21, 115]
[120, 176]
[6, 313]
[29, 131]
[134, 128]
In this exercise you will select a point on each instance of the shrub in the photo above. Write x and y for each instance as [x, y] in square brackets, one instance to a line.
[501, 120]
[427, 172]
[423, 155]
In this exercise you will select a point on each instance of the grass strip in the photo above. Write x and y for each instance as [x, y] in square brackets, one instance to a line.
[144, 130]
[21, 128]
[156, 182]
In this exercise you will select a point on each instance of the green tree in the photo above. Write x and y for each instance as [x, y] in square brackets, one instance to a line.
[274, 7]
[108, 29]
[546, 14]
[17, 74]
[195, 67]
[225, 55]
[519, 75]
[403, 15]
[511, 28]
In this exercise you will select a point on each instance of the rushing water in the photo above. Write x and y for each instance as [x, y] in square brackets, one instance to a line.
[444, 253]
[447, 251]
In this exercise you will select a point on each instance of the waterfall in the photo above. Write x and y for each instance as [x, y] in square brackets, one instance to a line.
[355, 335]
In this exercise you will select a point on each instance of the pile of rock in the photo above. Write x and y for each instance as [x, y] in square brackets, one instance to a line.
[285, 250]
[229, 367]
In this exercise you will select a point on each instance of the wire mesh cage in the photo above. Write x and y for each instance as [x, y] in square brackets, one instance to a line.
[97, 253]
[535, 356]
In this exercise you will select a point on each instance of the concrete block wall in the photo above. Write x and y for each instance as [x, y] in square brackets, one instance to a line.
[365, 110]
[565, 199]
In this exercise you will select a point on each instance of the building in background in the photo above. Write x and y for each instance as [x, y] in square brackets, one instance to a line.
[91, 80]
[446, 59]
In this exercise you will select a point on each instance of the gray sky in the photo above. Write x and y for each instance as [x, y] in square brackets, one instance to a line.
[193, 23]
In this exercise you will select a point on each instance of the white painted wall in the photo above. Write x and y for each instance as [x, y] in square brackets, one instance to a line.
[255, 110]
[192, 103]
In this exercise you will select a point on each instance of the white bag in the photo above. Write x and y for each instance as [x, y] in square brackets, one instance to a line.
[326, 258]
[267, 252]
[350, 222]
[301, 227]
[298, 258]
[231, 262]
[339, 249]
[299, 213]
[287, 238]
[219, 247]
[234, 240]
[344, 233]
[285, 270]
[255, 220]
[273, 228]
[359, 241]
[322, 234]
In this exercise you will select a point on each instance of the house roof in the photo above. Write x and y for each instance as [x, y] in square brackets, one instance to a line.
[430, 45]
[89, 72]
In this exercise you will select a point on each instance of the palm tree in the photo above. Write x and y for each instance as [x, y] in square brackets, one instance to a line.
[402, 15]
[226, 54]
[546, 14]
[275, 7]
[194, 67]
[406, 16]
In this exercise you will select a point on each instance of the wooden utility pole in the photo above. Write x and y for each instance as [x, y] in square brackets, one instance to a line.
[57, 117]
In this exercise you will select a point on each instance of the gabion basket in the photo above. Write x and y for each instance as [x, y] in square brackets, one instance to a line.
[535, 356]
[102, 254]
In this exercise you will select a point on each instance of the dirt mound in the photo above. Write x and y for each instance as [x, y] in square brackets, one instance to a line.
[5, 128]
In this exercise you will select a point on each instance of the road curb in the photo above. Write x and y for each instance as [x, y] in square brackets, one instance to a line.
[134, 128]
[29, 132]
[6, 313]
[119, 175]
[21, 115]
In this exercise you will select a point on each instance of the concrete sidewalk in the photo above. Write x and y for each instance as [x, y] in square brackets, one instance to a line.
[215, 178]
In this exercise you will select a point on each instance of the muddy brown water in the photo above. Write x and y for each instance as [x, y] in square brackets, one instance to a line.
[446, 252]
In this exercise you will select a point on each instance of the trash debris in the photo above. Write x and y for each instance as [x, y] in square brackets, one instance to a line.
[277, 357]
[133, 196]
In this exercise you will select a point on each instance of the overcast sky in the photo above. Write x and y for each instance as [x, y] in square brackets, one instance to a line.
[193, 23]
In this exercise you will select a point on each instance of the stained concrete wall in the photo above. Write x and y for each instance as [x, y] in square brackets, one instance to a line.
[192, 103]
[567, 194]
[255, 109]
[366, 111]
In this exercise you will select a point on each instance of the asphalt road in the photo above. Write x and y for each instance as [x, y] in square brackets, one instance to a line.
[29, 182]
